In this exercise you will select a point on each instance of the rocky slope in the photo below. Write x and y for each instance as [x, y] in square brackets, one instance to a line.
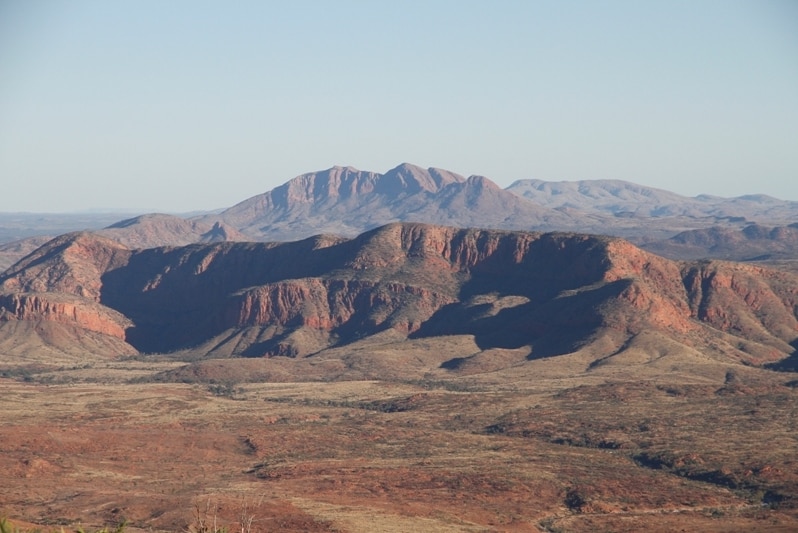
[153, 230]
[12, 252]
[546, 293]
[73, 263]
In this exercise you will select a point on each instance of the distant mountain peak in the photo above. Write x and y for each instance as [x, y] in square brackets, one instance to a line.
[346, 201]
[347, 181]
[411, 178]
[482, 181]
[148, 217]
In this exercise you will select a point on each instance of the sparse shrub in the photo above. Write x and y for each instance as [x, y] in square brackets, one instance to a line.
[772, 499]
[575, 499]
[452, 386]
[118, 529]
[225, 390]
[20, 373]
[6, 527]
[549, 525]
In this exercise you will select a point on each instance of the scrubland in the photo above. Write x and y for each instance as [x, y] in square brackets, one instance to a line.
[544, 445]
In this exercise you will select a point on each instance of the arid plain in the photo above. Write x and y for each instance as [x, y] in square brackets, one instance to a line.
[669, 445]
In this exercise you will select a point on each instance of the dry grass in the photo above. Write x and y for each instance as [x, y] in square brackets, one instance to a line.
[547, 445]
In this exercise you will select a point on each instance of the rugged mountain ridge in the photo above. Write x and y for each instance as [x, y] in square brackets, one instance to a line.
[629, 200]
[144, 231]
[546, 293]
[156, 229]
[754, 242]
[347, 201]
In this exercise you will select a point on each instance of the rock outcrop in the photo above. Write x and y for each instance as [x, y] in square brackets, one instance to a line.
[330, 304]
[65, 308]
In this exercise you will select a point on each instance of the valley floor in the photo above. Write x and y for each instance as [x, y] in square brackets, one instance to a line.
[527, 451]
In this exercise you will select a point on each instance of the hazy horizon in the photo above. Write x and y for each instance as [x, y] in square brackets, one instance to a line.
[181, 107]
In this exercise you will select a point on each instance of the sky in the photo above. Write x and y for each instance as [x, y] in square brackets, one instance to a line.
[188, 105]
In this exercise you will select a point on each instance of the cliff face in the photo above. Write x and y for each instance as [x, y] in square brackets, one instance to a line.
[750, 302]
[64, 308]
[751, 309]
[330, 304]
[550, 292]
[655, 295]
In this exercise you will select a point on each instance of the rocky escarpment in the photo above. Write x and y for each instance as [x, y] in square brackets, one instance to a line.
[330, 304]
[44, 328]
[753, 303]
[548, 292]
[64, 308]
[145, 231]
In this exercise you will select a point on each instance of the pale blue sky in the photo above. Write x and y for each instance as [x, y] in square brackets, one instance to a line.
[185, 105]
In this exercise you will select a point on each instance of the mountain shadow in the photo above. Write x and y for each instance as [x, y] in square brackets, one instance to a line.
[552, 325]
[789, 364]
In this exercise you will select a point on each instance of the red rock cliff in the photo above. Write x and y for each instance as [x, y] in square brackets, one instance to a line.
[66, 309]
[328, 304]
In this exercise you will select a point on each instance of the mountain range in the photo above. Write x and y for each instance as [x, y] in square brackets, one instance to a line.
[542, 294]
[346, 201]
[753, 242]
[625, 199]
[320, 262]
